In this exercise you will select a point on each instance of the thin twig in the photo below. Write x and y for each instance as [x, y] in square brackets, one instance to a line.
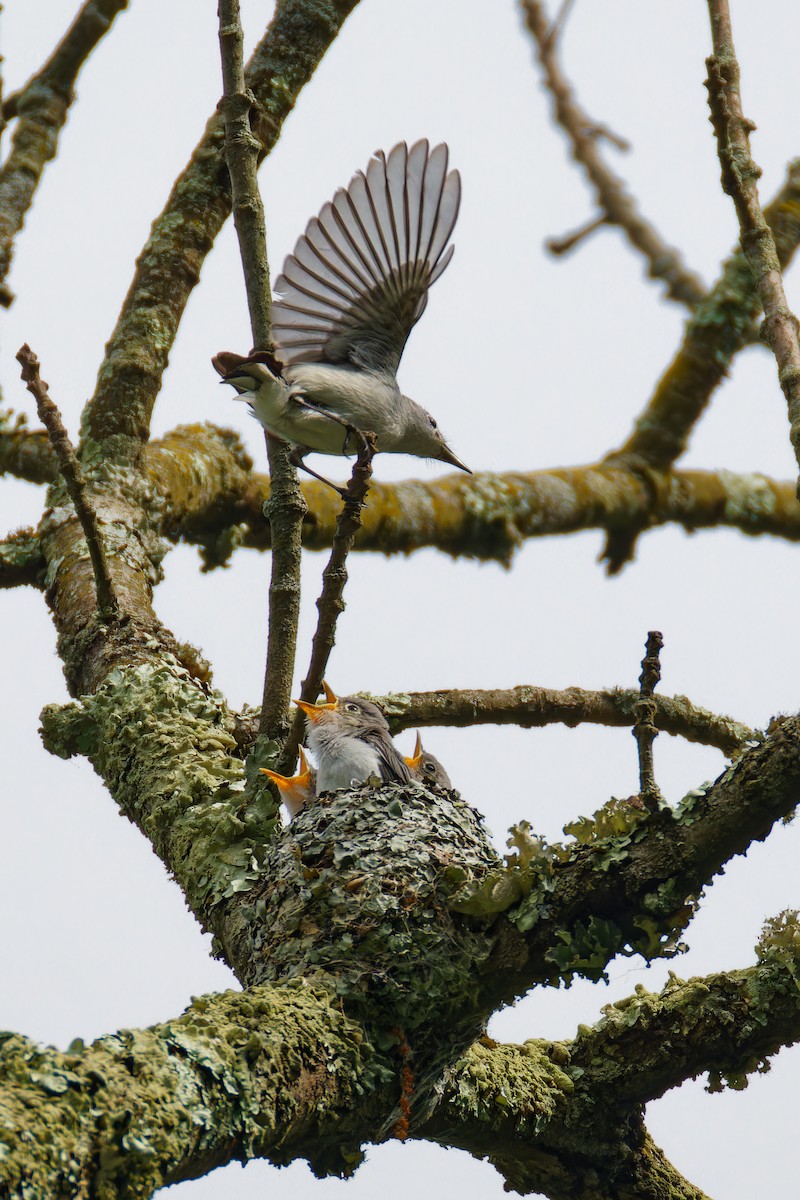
[568, 241]
[42, 106]
[645, 730]
[286, 506]
[739, 180]
[330, 603]
[664, 262]
[107, 603]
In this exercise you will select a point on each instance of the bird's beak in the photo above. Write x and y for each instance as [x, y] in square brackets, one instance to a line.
[448, 457]
[301, 779]
[314, 711]
[416, 759]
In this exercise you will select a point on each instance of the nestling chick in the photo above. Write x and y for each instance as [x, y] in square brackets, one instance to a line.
[349, 737]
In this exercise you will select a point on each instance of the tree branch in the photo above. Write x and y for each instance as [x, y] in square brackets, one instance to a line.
[330, 604]
[275, 1073]
[21, 560]
[217, 502]
[107, 601]
[739, 175]
[533, 707]
[645, 729]
[168, 268]
[42, 106]
[286, 506]
[717, 330]
[618, 207]
[630, 880]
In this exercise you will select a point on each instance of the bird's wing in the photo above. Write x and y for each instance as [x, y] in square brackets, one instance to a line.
[393, 768]
[357, 280]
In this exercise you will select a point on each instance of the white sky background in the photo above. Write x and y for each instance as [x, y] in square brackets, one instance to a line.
[526, 362]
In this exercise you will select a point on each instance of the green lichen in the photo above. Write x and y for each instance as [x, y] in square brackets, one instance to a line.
[168, 754]
[357, 890]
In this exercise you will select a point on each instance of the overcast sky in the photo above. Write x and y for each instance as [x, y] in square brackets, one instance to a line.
[526, 363]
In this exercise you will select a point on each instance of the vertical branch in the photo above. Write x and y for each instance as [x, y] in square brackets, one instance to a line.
[286, 507]
[644, 729]
[739, 175]
[330, 603]
[107, 603]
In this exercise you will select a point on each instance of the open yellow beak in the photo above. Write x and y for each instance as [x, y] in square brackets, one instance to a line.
[414, 762]
[313, 711]
[302, 779]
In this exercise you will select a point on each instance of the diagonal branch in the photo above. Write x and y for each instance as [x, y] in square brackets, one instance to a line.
[41, 107]
[286, 507]
[720, 326]
[107, 601]
[618, 207]
[169, 266]
[330, 604]
[739, 176]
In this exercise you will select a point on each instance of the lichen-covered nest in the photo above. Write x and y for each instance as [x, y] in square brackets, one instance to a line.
[358, 885]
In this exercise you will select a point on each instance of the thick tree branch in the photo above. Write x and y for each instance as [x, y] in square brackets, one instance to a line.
[739, 176]
[276, 1073]
[41, 107]
[520, 1105]
[216, 501]
[630, 881]
[286, 507]
[169, 266]
[717, 330]
[25, 453]
[618, 207]
[533, 707]
[21, 560]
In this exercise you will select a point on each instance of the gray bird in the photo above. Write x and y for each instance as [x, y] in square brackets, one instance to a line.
[426, 767]
[350, 294]
[296, 790]
[350, 740]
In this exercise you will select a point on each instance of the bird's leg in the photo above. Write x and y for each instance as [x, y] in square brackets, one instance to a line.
[366, 448]
[296, 457]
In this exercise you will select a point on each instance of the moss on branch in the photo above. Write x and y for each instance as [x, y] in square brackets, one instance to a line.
[279, 1073]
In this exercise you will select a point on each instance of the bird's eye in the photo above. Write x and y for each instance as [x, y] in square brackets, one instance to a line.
[433, 423]
[352, 708]
[429, 767]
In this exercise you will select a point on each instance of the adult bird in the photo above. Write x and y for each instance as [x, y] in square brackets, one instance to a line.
[350, 740]
[349, 295]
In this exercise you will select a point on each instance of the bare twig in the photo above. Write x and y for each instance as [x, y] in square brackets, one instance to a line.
[330, 603]
[739, 176]
[645, 730]
[569, 241]
[619, 207]
[107, 603]
[286, 507]
[42, 106]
